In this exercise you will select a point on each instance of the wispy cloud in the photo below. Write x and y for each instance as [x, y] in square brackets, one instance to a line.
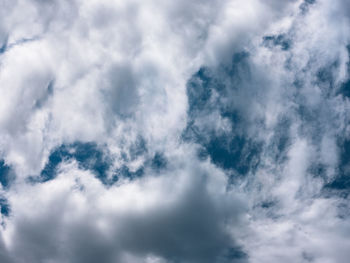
[161, 131]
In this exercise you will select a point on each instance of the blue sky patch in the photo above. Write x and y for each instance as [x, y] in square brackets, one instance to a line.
[6, 174]
[5, 207]
[88, 155]
[227, 150]
[238, 153]
[281, 41]
[342, 180]
[159, 161]
[345, 87]
[3, 46]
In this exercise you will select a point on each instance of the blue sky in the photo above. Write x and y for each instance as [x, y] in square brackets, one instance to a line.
[174, 131]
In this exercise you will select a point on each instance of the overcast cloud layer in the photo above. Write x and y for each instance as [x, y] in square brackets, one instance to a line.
[189, 131]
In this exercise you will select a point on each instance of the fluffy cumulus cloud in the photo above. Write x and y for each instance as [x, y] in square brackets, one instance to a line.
[174, 131]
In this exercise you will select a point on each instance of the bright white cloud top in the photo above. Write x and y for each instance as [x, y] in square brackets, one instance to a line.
[174, 131]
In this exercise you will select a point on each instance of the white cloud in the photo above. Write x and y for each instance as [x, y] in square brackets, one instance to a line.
[115, 73]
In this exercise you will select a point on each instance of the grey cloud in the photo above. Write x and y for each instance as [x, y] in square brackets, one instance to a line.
[4, 254]
[244, 100]
[189, 224]
[121, 92]
[192, 230]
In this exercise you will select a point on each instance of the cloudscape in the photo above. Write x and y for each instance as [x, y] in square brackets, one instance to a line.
[187, 131]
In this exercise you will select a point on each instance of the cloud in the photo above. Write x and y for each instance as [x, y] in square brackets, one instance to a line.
[161, 131]
[83, 221]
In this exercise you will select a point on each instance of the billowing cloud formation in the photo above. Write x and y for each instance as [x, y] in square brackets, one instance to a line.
[162, 132]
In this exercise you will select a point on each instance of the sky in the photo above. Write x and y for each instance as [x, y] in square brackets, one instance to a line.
[188, 131]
